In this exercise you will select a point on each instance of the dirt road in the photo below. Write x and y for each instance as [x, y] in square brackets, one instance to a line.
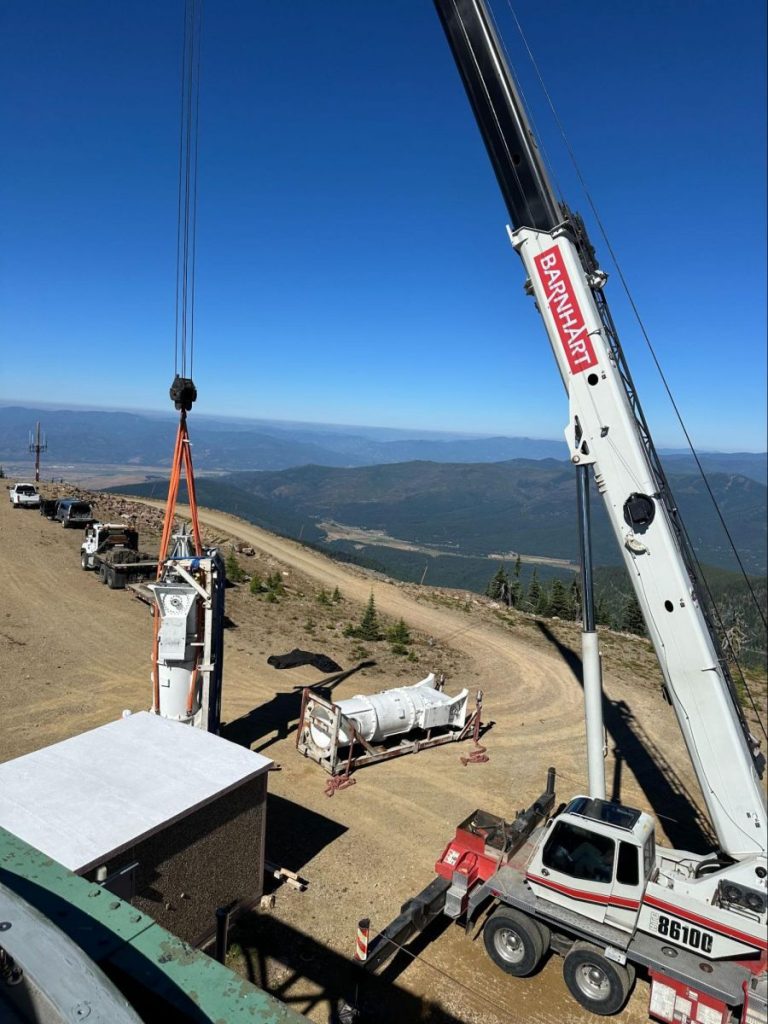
[74, 655]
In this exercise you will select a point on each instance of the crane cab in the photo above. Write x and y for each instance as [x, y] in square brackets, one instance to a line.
[595, 858]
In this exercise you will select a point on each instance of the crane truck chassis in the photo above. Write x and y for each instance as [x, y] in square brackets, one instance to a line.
[589, 881]
[488, 878]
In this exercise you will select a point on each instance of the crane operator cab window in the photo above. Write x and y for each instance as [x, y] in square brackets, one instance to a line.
[577, 852]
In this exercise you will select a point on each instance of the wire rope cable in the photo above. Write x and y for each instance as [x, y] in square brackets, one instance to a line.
[633, 305]
[501, 1010]
[667, 388]
[538, 137]
[196, 162]
[186, 228]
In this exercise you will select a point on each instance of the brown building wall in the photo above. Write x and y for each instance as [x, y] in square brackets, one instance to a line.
[212, 858]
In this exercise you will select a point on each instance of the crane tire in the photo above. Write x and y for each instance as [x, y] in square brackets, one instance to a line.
[102, 573]
[546, 934]
[598, 984]
[514, 942]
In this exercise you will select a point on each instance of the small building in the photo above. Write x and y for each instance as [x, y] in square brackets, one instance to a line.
[168, 817]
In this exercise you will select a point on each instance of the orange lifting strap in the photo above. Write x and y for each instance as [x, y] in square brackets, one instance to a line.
[182, 456]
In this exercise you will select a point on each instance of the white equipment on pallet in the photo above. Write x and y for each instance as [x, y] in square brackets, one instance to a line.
[189, 598]
[349, 734]
[390, 713]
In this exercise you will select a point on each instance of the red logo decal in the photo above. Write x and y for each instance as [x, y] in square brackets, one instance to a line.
[565, 310]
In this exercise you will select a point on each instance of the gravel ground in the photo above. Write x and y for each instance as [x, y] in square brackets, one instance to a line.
[74, 655]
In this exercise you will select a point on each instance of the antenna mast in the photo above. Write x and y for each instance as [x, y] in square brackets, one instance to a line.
[37, 445]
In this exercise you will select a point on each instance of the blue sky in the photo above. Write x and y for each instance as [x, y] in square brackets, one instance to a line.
[353, 265]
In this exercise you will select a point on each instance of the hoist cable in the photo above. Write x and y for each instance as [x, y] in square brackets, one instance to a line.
[186, 230]
[196, 162]
[183, 392]
[180, 198]
[186, 115]
[633, 305]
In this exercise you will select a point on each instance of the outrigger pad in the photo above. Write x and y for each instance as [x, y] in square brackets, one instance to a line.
[183, 392]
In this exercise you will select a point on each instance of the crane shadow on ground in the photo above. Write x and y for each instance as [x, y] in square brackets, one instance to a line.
[311, 977]
[281, 714]
[295, 834]
[684, 822]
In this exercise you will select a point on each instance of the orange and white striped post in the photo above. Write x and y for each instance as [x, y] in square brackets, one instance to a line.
[361, 943]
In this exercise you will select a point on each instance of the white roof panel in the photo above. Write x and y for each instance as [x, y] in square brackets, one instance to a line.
[87, 798]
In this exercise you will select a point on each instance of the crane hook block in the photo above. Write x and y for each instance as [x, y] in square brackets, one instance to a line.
[183, 392]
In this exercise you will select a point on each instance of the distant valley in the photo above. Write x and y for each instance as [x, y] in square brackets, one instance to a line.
[414, 504]
[475, 510]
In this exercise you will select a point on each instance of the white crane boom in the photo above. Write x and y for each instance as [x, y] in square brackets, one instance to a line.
[607, 429]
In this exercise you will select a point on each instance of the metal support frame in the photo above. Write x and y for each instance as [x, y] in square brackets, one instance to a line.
[590, 653]
[344, 758]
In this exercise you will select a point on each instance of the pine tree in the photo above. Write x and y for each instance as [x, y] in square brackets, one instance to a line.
[517, 568]
[515, 593]
[336, 596]
[575, 595]
[233, 570]
[257, 585]
[275, 585]
[602, 613]
[399, 636]
[533, 598]
[399, 633]
[498, 586]
[558, 601]
[369, 628]
[632, 619]
[322, 597]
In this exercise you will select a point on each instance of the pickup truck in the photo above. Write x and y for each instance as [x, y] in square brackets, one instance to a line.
[24, 496]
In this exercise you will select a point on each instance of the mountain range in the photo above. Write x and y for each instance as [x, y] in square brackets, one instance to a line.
[81, 437]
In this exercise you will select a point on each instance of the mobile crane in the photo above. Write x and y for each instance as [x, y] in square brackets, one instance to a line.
[589, 882]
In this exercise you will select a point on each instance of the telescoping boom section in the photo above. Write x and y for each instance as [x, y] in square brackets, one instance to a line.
[607, 430]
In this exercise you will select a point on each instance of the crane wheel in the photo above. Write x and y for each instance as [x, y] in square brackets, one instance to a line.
[598, 984]
[102, 573]
[514, 942]
[546, 935]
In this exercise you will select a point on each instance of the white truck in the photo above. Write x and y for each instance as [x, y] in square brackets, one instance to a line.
[587, 880]
[112, 551]
[24, 495]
